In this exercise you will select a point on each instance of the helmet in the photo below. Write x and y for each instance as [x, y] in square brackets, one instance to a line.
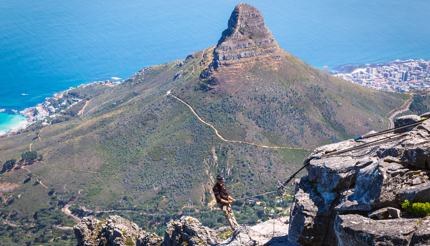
[220, 178]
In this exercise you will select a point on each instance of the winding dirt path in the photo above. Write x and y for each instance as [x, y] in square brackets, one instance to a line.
[68, 213]
[169, 93]
[30, 147]
[81, 112]
[38, 179]
[402, 109]
[66, 208]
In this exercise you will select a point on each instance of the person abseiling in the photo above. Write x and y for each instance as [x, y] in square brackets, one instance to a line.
[224, 201]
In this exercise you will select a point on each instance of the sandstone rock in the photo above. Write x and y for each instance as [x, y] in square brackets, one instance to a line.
[426, 115]
[305, 222]
[245, 41]
[86, 232]
[189, 231]
[115, 230]
[421, 236]
[405, 120]
[272, 232]
[352, 229]
[419, 193]
[246, 37]
[373, 178]
[385, 213]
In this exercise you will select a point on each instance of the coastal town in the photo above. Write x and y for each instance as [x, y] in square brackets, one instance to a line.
[396, 76]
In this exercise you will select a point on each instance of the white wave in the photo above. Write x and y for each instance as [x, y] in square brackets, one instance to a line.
[15, 126]
[24, 94]
[115, 78]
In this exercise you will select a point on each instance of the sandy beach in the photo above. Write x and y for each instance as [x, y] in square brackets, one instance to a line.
[12, 123]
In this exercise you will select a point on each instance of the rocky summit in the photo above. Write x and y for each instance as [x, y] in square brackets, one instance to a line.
[245, 41]
[357, 197]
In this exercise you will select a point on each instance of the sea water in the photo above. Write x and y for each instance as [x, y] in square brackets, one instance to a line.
[11, 122]
[49, 45]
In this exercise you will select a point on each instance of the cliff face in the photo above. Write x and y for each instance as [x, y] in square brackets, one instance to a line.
[355, 197]
[245, 39]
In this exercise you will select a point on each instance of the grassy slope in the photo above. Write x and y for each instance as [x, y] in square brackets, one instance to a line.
[136, 147]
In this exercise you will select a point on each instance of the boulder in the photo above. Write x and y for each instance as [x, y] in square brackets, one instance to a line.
[189, 231]
[87, 231]
[369, 176]
[385, 213]
[353, 229]
[404, 121]
[273, 232]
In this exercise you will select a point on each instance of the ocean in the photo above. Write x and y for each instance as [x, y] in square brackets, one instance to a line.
[48, 45]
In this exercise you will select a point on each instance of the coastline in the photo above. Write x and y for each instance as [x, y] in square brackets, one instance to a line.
[12, 121]
[52, 107]
[396, 76]
[349, 68]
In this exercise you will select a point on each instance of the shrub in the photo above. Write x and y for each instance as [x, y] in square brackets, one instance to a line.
[416, 208]
[29, 156]
[8, 165]
[224, 235]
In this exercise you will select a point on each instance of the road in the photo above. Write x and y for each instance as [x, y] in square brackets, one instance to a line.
[402, 109]
[69, 213]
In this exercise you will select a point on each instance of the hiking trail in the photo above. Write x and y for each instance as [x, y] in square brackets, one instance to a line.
[405, 107]
[222, 138]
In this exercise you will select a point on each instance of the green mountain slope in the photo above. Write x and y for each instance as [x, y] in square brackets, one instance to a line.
[134, 147]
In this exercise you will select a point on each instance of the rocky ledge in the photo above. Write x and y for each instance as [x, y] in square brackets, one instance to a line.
[116, 230]
[355, 197]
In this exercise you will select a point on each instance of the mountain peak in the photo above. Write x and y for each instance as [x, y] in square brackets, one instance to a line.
[246, 39]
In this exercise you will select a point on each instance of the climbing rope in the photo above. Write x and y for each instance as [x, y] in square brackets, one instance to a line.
[379, 141]
[390, 130]
[261, 194]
